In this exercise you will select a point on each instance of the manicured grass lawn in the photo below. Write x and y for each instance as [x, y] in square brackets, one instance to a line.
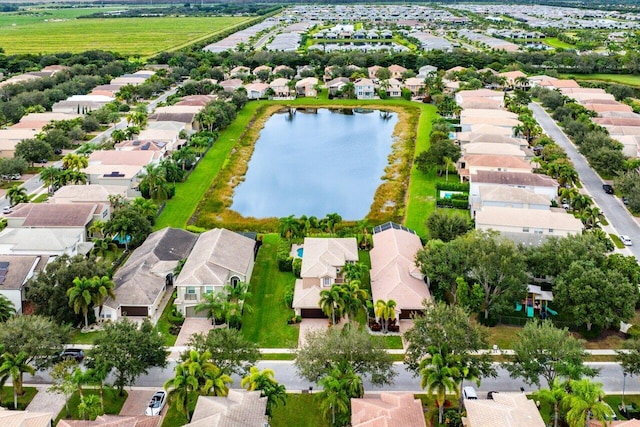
[627, 79]
[173, 418]
[6, 397]
[554, 42]
[616, 241]
[267, 325]
[182, 206]
[390, 341]
[129, 36]
[615, 399]
[503, 335]
[164, 325]
[278, 356]
[300, 410]
[78, 337]
[112, 403]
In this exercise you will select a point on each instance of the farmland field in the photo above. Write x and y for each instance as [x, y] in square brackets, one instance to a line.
[128, 36]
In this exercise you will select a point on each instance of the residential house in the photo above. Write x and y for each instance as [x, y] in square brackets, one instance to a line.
[218, 258]
[43, 241]
[322, 261]
[373, 71]
[415, 85]
[11, 137]
[386, 410]
[494, 149]
[557, 83]
[283, 69]
[513, 78]
[81, 104]
[504, 410]
[336, 85]
[600, 107]
[307, 87]
[537, 183]
[106, 90]
[426, 71]
[475, 112]
[239, 72]
[464, 138]
[528, 226]
[508, 197]
[167, 132]
[397, 71]
[177, 113]
[365, 89]
[280, 87]
[471, 164]
[37, 121]
[467, 121]
[490, 129]
[466, 96]
[15, 271]
[92, 193]
[394, 274]
[142, 145]
[114, 421]
[261, 68]
[111, 167]
[304, 69]
[199, 100]
[393, 87]
[143, 280]
[231, 85]
[256, 90]
[240, 408]
[25, 418]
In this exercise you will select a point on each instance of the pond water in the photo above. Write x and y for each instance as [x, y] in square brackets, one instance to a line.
[315, 162]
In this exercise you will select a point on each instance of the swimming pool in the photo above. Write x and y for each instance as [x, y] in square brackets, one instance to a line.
[300, 252]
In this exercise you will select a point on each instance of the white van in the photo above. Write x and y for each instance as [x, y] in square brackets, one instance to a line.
[469, 393]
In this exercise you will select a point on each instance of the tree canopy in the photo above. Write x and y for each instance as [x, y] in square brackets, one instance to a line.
[229, 350]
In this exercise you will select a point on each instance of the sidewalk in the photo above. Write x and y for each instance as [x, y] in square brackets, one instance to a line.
[46, 401]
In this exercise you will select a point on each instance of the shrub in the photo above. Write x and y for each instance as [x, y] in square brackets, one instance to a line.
[634, 331]
[288, 296]
[453, 186]
[297, 266]
[196, 229]
[285, 261]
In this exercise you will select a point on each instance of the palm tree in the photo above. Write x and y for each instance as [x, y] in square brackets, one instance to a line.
[14, 366]
[102, 288]
[265, 382]
[554, 396]
[354, 271]
[17, 194]
[332, 302]
[89, 406]
[439, 375]
[385, 311]
[212, 303]
[6, 309]
[74, 162]
[49, 176]
[339, 387]
[211, 380]
[137, 118]
[74, 176]
[591, 217]
[103, 245]
[581, 202]
[354, 298]
[180, 388]
[156, 182]
[288, 227]
[331, 221]
[146, 207]
[118, 135]
[81, 296]
[583, 401]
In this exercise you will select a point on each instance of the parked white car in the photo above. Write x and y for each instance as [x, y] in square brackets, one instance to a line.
[156, 403]
[626, 240]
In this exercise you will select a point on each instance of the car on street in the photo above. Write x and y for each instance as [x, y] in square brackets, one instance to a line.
[626, 240]
[6, 210]
[625, 200]
[608, 188]
[76, 354]
[156, 403]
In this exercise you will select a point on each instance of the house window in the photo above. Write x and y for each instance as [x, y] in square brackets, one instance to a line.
[525, 229]
[537, 231]
[326, 282]
[208, 289]
[551, 230]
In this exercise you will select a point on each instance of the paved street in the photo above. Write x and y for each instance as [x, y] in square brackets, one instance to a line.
[610, 376]
[617, 214]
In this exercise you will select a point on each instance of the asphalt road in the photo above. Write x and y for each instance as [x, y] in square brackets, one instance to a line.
[617, 214]
[610, 376]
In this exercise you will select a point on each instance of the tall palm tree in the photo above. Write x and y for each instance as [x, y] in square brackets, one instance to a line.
[89, 407]
[212, 303]
[74, 162]
[211, 380]
[81, 296]
[591, 217]
[354, 298]
[146, 207]
[156, 182]
[288, 227]
[103, 245]
[49, 176]
[118, 135]
[17, 194]
[439, 375]
[584, 400]
[102, 288]
[180, 388]
[265, 382]
[354, 271]
[385, 311]
[339, 387]
[6, 309]
[554, 396]
[332, 303]
[14, 365]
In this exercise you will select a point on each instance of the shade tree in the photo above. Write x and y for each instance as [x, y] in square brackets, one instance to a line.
[229, 350]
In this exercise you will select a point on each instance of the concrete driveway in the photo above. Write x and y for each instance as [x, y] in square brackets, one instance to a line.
[137, 402]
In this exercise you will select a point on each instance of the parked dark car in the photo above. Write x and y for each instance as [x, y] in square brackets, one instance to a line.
[72, 353]
[608, 188]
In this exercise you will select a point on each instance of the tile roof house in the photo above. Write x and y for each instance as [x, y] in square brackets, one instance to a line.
[394, 274]
[25, 418]
[388, 410]
[281, 87]
[322, 260]
[143, 280]
[240, 408]
[397, 71]
[415, 85]
[43, 241]
[179, 113]
[15, 271]
[373, 70]
[113, 421]
[111, 167]
[256, 90]
[471, 164]
[537, 183]
[365, 89]
[528, 226]
[511, 197]
[219, 257]
[493, 149]
[504, 410]
[307, 87]
[336, 85]
[91, 193]
[393, 87]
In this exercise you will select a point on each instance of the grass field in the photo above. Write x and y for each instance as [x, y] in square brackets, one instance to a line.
[267, 325]
[300, 410]
[129, 36]
[112, 403]
[626, 79]
[6, 396]
[554, 42]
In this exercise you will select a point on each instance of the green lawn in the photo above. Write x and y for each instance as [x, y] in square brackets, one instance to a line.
[128, 36]
[173, 418]
[78, 337]
[554, 42]
[300, 410]
[6, 397]
[267, 325]
[112, 403]
[627, 79]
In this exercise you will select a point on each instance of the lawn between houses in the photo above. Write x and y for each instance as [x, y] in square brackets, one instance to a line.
[203, 199]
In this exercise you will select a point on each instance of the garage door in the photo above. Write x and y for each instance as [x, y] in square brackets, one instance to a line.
[312, 313]
[191, 312]
[134, 310]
